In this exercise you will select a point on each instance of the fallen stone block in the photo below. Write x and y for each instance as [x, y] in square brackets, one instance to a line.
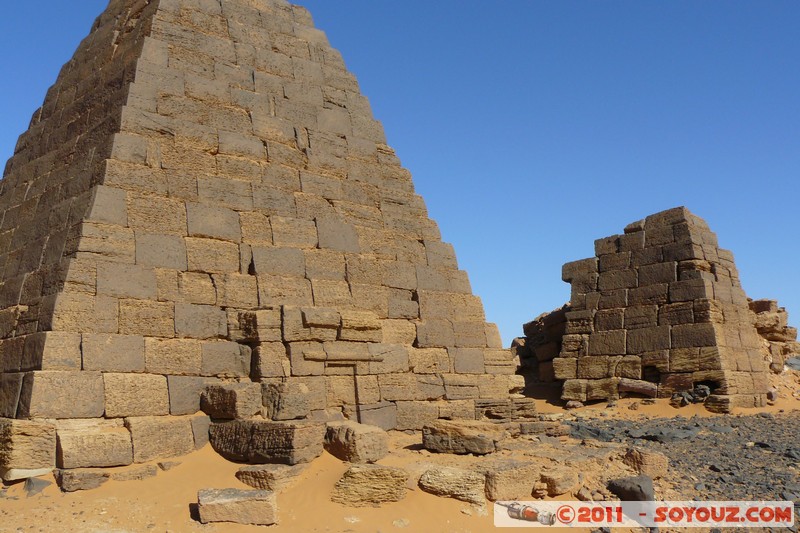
[231, 401]
[633, 489]
[648, 463]
[263, 441]
[448, 482]
[251, 507]
[370, 485]
[559, 481]
[133, 473]
[513, 409]
[462, 437]
[270, 477]
[27, 448]
[356, 443]
[512, 480]
[81, 479]
[160, 437]
[285, 401]
[93, 443]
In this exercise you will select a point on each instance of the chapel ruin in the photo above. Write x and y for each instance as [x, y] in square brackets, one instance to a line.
[205, 198]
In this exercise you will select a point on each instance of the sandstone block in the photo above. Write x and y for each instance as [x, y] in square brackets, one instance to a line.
[200, 427]
[161, 251]
[213, 222]
[372, 485]
[27, 448]
[135, 395]
[113, 353]
[360, 326]
[648, 463]
[232, 400]
[285, 401]
[52, 350]
[415, 415]
[172, 356]
[278, 261]
[356, 443]
[648, 340]
[565, 367]
[381, 414]
[53, 394]
[93, 443]
[511, 480]
[249, 507]
[462, 437]
[607, 343]
[262, 325]
[270, 477]
[225, 359]
[10, 388]
[211, 255]
[455, 483]
[559, 481]
[81, 479]
[468, 360]
[184, 394]
[160, 437]
[259, 441]
[148, 318]
[200, 321]
[126, 281]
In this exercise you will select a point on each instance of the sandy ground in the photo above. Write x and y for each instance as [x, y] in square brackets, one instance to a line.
[164, 503]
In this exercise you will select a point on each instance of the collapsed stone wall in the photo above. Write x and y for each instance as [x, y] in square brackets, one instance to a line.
[779, 339]
[224, 209]
[659, 310]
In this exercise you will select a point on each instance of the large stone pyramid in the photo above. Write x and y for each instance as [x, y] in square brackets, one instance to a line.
[659, 310]
[203, 196]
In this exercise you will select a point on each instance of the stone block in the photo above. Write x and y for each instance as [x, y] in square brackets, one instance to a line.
[55, 394]
[261, 442]
[196, 288]
[184, 394]
[649, 463]
[677, 313]
[81, 479]
[511, 480]
[231, 400]
[248, 507]
[126, 281]
[617, 279]
[172, 356]
[278, 261]
[113, 353]
[225, 359]
[270, 477]
[693, 335]
[639, 387]
[657, 294]
[370, 485]
[262, 325]
[559, 481]
[467, 360]
[602, 389]
[200, 427]
[608, 319]
[641, 316]
[200, 321]
[294, 232]
[93, 444]
[286, 400]
[51, 350]
[462, 437]
[284, 290]
[212, 255]
[213, 222]
[161, 251]
[356, 443]
[657, 273]
[415, 415]
[10, 388]
[684, 360]
[27, 448]
[565, 367]
[429, 360]
[148, 318]
[574, 389]
[689, 290]
[360, 326]
[389, 358]
[160, 437]
[607, 343]
[236, 290]
[464, 485]
[269, 360]
[135, 395]
[616, 261]
[336, 234]
[648, 340]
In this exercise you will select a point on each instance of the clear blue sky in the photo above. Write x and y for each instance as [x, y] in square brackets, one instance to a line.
[533, 128]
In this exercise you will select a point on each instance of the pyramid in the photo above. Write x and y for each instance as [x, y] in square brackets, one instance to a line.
[205, 197]
[660, 310]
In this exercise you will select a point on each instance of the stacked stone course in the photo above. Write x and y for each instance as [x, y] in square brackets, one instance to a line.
[203, 198]
[659, 310]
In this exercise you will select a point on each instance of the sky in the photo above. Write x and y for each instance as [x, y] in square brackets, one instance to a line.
[533, 128]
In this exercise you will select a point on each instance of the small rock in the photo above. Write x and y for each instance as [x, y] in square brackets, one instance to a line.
[402, 522]
[168, 465]
[772, 394]
[634, 406]
[34, 486]
[573, 404]
[648, 401]
[634, 489]
[584, 494]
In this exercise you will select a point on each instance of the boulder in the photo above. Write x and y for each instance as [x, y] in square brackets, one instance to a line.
[511, 480]
[264, 441]
[251, 507]
[356, 443]
[270, 477]
[27, 448]
[462, 437]
[370, 485]
[464, 485]
[633, 489]
[81, 479]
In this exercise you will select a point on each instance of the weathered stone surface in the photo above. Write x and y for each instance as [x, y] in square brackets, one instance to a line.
[260, 441]
[646, 462]
[160, 437]
[511, 480]
[457, 483]
[233, 400]
[634, 489]
[93, 444]
[461, 437]
[81, 479]
[285, 401]
[270, 477]
[135, 395]
[255, 507]
[356, 443]
[370, 485]
[27, 448]
[53, 394]
[559, 480]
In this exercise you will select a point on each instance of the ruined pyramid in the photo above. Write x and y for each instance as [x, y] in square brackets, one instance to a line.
[660, 310]
[205, 197]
